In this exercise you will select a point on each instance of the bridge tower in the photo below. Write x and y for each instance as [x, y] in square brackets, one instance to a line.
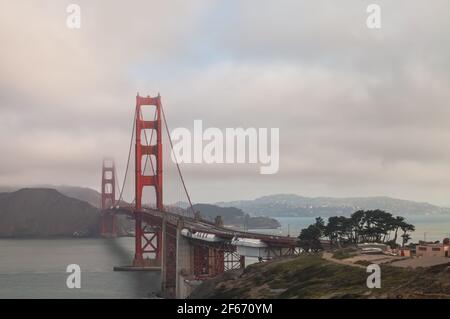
[148, 240]
[108, 220]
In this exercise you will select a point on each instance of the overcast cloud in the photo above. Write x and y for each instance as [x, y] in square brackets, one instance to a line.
[361, 112]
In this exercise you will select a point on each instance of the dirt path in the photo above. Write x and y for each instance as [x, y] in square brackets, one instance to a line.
[329, 256]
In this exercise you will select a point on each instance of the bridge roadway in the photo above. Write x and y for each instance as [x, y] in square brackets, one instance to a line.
[155, 218]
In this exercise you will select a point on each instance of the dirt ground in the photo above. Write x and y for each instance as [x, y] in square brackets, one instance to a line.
[404, 262]
[421, 262]
[321, 276]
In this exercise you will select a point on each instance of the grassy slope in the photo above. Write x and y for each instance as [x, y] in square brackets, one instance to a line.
[314, 277]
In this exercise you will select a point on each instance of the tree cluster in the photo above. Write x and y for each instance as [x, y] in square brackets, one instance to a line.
[363, 226]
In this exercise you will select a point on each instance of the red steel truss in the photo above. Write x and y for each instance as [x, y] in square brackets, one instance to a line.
[148, 240]
[210, 260]
[201, 262]
[108, 220]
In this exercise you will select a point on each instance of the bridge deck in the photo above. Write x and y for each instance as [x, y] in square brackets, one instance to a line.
[155, 217]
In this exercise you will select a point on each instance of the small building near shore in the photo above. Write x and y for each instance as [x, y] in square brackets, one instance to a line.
[433, 249]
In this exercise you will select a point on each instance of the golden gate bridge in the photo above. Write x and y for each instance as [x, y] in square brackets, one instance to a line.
[179, 243]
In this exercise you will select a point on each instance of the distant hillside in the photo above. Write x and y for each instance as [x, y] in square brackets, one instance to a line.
[235, 217]
[45, 213]
[85, 194]
[295, 205]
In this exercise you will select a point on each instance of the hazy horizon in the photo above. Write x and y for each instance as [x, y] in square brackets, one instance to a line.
[361, 112]
[231, 200]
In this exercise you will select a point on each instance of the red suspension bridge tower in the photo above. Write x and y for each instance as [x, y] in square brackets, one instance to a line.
[148, 245]
[108, 219]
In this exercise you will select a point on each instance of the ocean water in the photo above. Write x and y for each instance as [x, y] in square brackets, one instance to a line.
[37, 269]
[430, 228]
[31, 268]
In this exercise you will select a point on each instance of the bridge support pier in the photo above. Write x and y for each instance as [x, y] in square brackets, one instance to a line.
[187, 262]
[169, 259]
[184, 269]
[177, 271]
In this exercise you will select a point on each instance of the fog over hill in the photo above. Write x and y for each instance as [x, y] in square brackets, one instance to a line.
[294, 205]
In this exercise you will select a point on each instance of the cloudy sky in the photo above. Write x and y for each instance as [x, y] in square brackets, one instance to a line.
[361, 112]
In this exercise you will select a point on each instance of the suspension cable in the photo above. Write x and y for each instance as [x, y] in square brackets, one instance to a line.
[118, 186]
[129, 156]
[176, 162]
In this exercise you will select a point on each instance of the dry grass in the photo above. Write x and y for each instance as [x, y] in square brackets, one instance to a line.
[313, 277]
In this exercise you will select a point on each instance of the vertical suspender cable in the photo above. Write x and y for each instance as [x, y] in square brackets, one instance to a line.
[176, 161]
